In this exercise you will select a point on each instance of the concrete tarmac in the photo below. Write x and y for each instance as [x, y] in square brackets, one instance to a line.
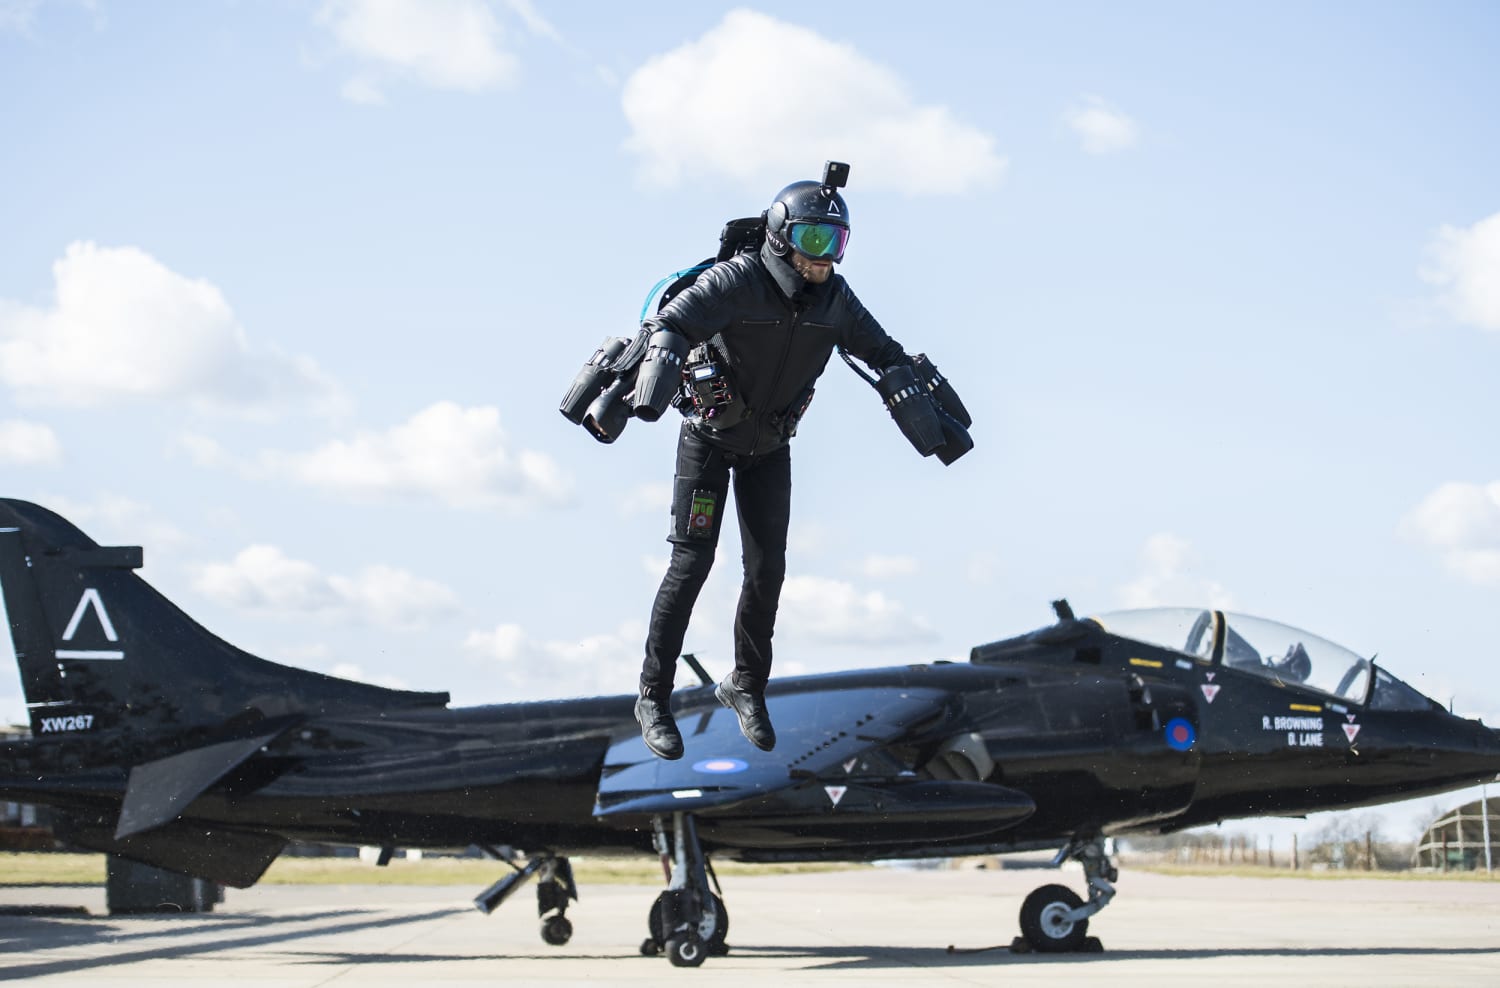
[874, 926]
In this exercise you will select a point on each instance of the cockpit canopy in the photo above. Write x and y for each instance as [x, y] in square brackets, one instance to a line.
[1267, 648]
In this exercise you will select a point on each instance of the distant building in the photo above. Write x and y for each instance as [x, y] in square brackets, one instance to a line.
[22, 827]
[1455, 841]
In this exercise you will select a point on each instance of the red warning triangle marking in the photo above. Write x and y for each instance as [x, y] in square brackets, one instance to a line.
[1351, 730]
[1210, 691]
[835, 793]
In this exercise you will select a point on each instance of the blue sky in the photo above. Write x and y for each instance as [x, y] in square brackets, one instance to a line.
[290, 291]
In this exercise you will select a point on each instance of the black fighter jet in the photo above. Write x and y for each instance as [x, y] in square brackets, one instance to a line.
[158, 742]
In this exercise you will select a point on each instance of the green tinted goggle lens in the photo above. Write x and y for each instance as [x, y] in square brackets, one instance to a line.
[819, 239]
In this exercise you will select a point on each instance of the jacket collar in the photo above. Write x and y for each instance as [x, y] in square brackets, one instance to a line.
[794, 288]
[782, 272]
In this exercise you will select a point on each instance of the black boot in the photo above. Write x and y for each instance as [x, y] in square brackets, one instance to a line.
[658, 729]
[750, 708]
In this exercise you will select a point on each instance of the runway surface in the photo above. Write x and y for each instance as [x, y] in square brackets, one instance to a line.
[876, 926]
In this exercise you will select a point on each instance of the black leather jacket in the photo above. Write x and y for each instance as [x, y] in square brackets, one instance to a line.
[776, 332]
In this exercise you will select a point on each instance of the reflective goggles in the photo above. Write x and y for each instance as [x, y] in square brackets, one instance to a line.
[819, 240]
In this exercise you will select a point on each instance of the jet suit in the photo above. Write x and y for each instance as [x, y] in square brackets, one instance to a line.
[775, 332]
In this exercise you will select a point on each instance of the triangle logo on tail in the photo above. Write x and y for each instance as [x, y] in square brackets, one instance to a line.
[89, 599]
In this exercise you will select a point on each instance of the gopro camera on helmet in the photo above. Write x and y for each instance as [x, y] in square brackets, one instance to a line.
[835, 174]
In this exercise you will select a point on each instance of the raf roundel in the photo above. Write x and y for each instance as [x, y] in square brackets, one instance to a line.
[720, 766]
[1180, 734]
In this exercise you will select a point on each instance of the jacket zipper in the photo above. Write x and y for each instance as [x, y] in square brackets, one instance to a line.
[786, 350]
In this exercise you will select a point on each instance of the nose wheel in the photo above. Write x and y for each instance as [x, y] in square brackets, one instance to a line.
[688, 921]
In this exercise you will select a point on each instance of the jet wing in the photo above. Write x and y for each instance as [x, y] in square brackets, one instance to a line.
[815, 730]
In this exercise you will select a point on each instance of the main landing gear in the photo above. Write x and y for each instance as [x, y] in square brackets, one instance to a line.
[554, 889]
[688, 921]
[1053, 918]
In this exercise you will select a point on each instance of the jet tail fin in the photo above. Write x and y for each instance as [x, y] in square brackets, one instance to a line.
[100, 650]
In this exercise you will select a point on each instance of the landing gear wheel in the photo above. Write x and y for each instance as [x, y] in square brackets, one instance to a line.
[686, 951]
[715, 938]
[557, 930]
[650, 947]
[712, 930]
[1045, 923]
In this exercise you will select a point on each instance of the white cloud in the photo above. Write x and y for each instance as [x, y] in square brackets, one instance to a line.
[1462, 523]
[262, 578]
[110, 519]
[459, 456]
[534, 21]
[125, 327]
[647, 498]
[809, 539]
[530, 667]
[764, 102]
[1167, 577]
[20, 16]
[444, 44]
[1466, 267]
[878, 567]
[835, 612]
[351, 670]
[1101, 128]
[203, 450]
[28, 444]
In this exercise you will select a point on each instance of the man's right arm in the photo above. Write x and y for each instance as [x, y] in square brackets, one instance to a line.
[701, 309]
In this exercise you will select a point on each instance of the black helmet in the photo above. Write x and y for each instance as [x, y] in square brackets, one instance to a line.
[810, 218]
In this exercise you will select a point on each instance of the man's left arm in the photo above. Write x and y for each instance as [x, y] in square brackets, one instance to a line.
[863, 336]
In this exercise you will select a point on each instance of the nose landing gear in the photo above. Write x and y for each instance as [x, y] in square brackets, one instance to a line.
[688, 920]
[1053, 918]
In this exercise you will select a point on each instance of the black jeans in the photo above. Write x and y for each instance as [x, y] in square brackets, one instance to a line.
[763, 501]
